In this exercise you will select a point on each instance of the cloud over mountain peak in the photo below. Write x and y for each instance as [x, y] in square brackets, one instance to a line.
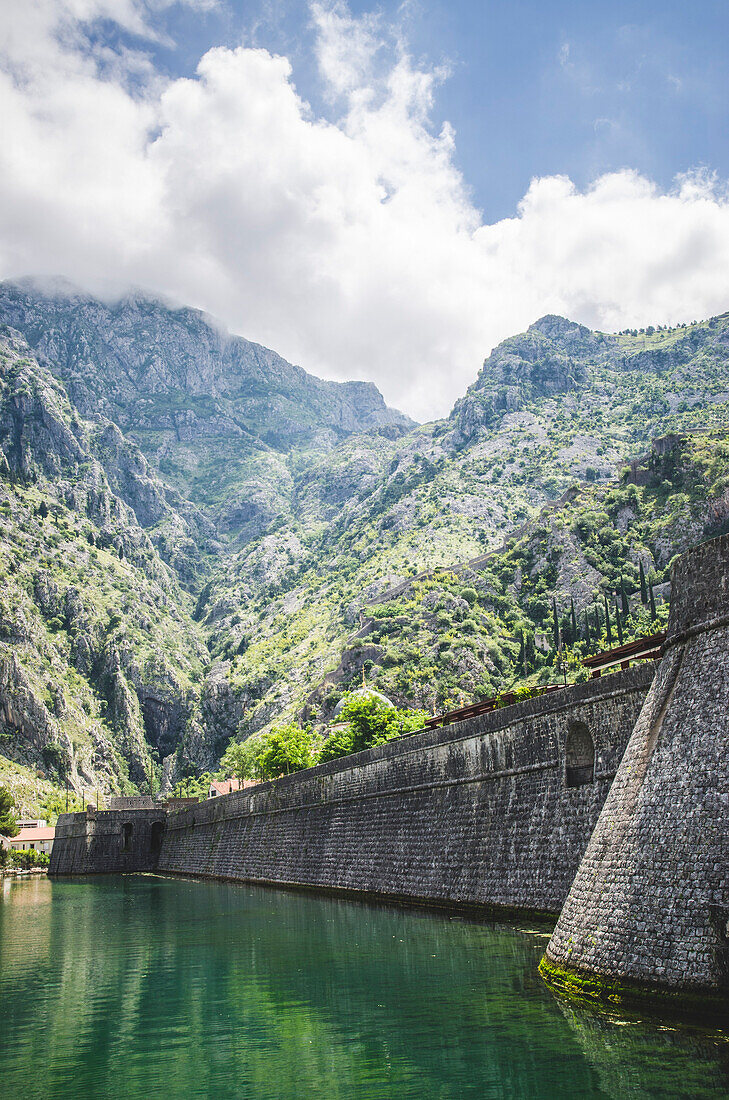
[351, 245]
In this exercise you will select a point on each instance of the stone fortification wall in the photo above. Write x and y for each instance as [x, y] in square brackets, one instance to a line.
[107, 840]
[131, 802]
[649, 908]
[478, 813]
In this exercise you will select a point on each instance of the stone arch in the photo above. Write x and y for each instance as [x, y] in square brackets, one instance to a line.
[579, 755]
[155, 839]
[127, 830]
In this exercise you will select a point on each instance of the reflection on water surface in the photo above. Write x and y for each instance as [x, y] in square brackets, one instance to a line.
[139, 986]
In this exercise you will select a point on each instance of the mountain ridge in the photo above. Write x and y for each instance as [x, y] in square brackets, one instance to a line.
[173, 583]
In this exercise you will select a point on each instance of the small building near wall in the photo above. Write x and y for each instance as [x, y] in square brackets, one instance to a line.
[39, 838]
[227, 786]
[31, 822]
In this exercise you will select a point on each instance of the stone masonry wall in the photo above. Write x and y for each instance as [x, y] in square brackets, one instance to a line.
[650, 903]
[477, 813]
[95, 841]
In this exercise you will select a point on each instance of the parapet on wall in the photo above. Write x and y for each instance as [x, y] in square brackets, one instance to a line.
[649, 908]
[107, 840]
[482, 813]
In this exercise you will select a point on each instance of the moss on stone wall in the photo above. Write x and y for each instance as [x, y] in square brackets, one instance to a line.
[580, 985]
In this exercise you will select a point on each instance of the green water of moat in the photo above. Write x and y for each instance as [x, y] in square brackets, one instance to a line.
[141, 986]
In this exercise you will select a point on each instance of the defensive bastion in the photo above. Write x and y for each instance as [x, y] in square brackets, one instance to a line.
[648, 913]
[503, 813]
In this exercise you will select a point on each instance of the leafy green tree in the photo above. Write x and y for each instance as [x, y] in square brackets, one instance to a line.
[369, 721]
[555, 624]
[530, 652]
[618, 624]
[8, 824]
[29, 857]
[54, 804]
[193, 786]
[284, 749]
[340, 743]
[238, 758]
[588, 632]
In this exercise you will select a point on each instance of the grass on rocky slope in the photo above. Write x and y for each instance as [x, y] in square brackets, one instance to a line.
[457, 634]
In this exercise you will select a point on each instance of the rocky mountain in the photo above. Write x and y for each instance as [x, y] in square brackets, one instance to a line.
[557, 406]
[198, 538]
[100, 661]
[217, 415]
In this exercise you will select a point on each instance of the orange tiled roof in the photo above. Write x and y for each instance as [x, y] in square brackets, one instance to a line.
[26, 835]
[226, 786]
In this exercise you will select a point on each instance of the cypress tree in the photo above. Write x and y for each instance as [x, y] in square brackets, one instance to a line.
[588, 632]
[530, 652]
[652, 602]
[643, 586]
[521, 662]
[623, 599]
[608, 631]
[574, 620]
[618, 623]
[556, 624]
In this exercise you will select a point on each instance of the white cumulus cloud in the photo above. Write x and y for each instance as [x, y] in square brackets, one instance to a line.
[351, 246]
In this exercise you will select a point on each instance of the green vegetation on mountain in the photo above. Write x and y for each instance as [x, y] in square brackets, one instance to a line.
[478, 629]
[200, 542]
[100, 662]
[8, 824]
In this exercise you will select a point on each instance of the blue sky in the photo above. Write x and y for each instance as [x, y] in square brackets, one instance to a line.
[535, 87]
[379, 193]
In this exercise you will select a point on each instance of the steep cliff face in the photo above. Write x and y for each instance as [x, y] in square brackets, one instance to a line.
[205, 407]
[99, 658]
[547, 360]
[148, 366]
[600, 376]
